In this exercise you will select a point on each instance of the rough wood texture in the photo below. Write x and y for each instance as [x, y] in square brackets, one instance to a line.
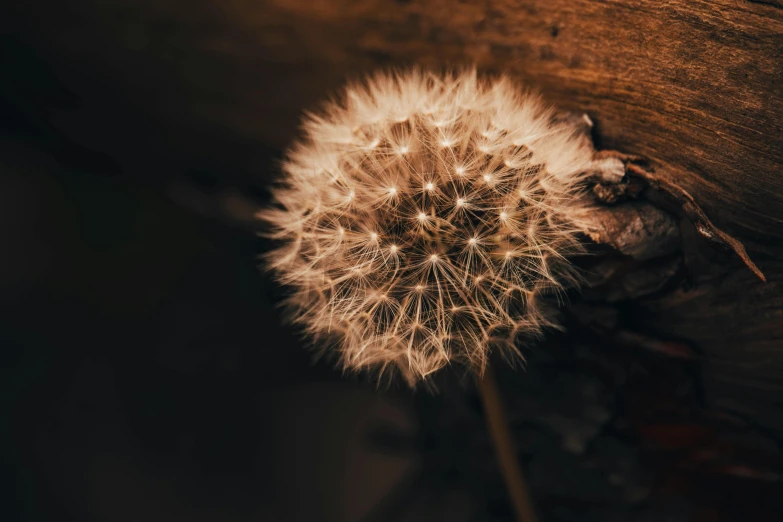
[694, 85]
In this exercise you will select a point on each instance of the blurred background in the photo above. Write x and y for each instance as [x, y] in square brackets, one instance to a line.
[146, 374]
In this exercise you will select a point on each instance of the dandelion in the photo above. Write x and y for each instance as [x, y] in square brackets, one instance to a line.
[418, 242]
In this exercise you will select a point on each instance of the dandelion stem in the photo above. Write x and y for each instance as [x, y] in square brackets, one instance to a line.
[500, 433]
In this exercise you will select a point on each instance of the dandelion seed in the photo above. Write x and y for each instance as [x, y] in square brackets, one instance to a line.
[388, 306]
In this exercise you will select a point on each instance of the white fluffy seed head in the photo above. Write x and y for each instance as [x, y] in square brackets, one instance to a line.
[422, 217]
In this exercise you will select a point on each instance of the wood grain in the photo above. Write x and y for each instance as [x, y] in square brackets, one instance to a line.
[694, 85]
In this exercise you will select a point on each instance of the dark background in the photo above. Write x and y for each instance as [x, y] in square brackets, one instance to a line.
[145, 371]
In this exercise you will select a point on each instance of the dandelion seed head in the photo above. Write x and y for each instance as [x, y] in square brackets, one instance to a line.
[390, 302]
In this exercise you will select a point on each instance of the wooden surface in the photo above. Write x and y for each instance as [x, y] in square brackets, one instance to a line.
[163, 88]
